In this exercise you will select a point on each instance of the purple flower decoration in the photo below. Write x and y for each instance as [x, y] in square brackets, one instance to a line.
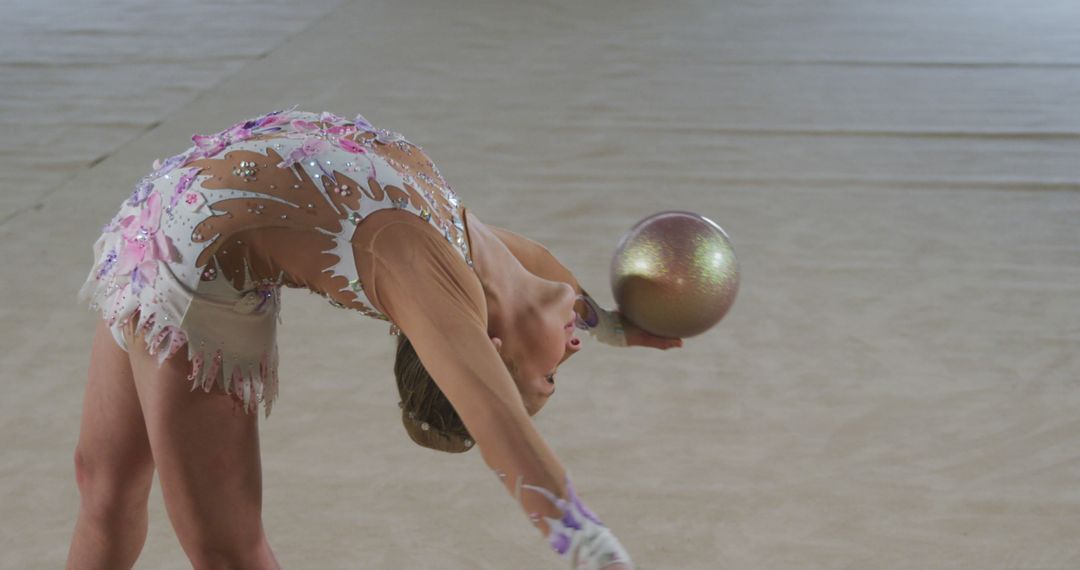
[107, 263]
[560, 542]
[162, 168]
[141, 193]
[182, 186]
[575, 516]
[363, 124]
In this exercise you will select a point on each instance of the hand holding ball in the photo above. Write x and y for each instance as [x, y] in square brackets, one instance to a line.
[674, 274]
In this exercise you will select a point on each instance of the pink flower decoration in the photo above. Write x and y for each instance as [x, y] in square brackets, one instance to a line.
[314, 146]
[191, 198]
[341, 130]
[144, 243]
[311, 146]
[304, 126]
[210, 145]
[238, 132]
[351, 146]
[271, 121]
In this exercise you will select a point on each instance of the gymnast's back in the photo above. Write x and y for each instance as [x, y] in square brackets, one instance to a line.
[198, 253]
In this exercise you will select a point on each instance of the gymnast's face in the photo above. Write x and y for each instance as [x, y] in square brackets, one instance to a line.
[543, 340]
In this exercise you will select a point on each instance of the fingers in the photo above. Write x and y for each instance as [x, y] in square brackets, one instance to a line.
[663, 343]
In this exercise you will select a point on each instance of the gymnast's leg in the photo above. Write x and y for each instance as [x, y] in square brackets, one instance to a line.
[206, 450]
[113, 464]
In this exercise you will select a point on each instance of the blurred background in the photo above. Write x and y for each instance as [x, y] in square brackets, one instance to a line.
[895, 387]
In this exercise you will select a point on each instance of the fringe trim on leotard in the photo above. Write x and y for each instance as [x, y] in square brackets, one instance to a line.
[246, 383]
[157, 317]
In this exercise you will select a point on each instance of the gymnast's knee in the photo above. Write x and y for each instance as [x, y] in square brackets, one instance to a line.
[110, 492]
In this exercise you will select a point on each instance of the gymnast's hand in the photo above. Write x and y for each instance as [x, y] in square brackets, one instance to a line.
[637, 337]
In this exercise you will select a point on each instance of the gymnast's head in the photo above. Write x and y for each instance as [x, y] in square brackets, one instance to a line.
[531, 354]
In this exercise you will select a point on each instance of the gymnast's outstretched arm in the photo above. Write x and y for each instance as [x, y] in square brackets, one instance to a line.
[438, 302]
[607, 326]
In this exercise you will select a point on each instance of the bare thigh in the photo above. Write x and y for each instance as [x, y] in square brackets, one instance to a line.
[206, 449]
[113, 459]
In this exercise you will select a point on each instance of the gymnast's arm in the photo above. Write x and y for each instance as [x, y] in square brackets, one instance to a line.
[606, 326]
[438, 302]
[536, 258]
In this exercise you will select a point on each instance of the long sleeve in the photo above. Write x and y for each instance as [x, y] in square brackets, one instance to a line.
[438, 302]
[423, 285]
[604, 325]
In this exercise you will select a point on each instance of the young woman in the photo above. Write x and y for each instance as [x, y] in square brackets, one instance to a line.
[187, 278]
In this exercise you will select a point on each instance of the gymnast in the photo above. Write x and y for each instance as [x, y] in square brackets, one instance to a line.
[187, 279]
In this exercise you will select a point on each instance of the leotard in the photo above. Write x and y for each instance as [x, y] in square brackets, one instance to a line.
[200, 250]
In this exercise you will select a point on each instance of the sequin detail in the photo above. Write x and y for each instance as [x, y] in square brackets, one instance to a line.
[174, 237]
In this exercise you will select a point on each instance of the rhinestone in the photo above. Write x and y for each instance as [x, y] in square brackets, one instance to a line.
[296, 186]
[283, 216]
[424, 426]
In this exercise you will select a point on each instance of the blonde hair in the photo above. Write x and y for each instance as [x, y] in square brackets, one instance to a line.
[429, 418]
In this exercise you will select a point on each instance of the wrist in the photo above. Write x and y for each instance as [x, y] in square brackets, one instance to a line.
[606, 326]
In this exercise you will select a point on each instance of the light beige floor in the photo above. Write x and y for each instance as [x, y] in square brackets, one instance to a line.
[896, 386]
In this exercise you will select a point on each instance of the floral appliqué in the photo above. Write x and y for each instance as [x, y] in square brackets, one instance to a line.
[144, 244]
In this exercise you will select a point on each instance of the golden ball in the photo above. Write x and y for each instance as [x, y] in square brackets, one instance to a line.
[674, 274]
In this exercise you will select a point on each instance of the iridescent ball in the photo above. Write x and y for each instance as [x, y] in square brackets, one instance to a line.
[674, 274]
